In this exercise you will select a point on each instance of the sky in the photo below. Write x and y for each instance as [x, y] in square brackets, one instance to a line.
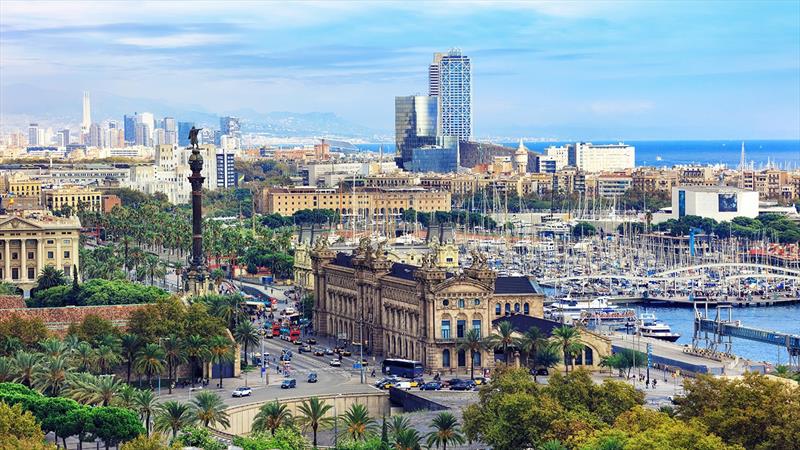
[569, 70]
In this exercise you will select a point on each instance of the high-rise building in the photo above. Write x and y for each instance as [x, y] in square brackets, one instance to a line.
[170, 131]
[230, 126]
[454, 89]
[183, 133]
[95, 135]
[63, 138]
[86, 122]
[414, 124]
[129, 123]
[143, 135]
[433, 74]
[33, 135]
[147, 118]
[226, 172]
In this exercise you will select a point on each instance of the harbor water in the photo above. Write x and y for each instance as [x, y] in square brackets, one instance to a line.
[778, 318]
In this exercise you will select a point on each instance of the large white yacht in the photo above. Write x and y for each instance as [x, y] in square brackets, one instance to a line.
[649, 326]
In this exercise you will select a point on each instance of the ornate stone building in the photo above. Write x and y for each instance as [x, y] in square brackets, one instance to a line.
[405, 311]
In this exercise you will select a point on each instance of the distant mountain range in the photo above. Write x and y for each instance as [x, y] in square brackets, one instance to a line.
[21, 104]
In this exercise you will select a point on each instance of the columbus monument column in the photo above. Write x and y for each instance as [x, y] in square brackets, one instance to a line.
[197, 274]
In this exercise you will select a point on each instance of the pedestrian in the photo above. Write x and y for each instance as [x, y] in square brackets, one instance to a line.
[372, 374]
[654, 383]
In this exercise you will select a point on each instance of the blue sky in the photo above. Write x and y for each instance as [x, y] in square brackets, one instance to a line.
[572, 70]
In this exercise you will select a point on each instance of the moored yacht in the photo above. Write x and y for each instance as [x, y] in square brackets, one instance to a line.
[649, 326]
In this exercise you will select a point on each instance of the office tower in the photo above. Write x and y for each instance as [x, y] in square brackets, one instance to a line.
[143, 135]
[87, 114]
[183, 133]
[159, 136]
[433, 74]
[454, 88]
[230, 126]
[95, 139]
[33, 135]
[129, 123]
[414, 124]
[170, 131]
[226, 171]
[147, 119]
[63, 138]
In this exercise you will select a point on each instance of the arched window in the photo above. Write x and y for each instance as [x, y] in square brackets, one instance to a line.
[516, 307]
[588, 356]
[497, 309]
[462, 358]
[508, 308]
[526, 309]
[445, 358]
[476, 358]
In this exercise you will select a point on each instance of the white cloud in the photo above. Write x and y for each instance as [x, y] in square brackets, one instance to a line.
[175, 40]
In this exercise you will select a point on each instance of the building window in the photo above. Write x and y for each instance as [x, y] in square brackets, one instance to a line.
[516, 307]
[14, 255]
[445, 329]
[461, 303]
[445, 358]
[477, 302]
[30, 255]
[476, 325]
[526, 309]
[31, 273]
[446, 302]
[460, 325]
[508, 308]
[497, 309]
[15, 273]
[462, 358]
[66, 253]
[49, 241]
[476, 358]
[588, 356]
[50, 255]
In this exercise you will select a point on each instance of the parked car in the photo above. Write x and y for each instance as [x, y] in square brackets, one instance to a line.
[482, 380]
[305, 349]
[312, 377]
[289, 383]
[405, 385]
[311, 341]
[385, 379]
[462, 385]
[289, 311]
[346, 353]
[243, 391]
[387, 384]
[417, 382]
[432, 386]
[453, 381]
[335, 363]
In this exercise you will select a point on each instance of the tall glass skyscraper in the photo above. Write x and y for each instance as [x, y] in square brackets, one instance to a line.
[170, 131]
[129, 124]
[453, 83]
[414, 123]
[183, 133]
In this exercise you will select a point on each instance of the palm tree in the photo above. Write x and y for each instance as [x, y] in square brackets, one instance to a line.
[196, 351]
[548, 356]
[472, 344]
[271, 416]
[8, 370]
[312, 415]
[150, 361]
[221, 353]
[144, 402]
[445, 431]
[53, 347]
[210, 410]
[25, 364]
[407, 439]
[126, 397]
[131, 344]
[50, 277]
[83, 356]
[172, 416]
[91, 389]
[567, 337]
[531, 342]
[106, 358]
[72, 341]
[575, 351]
[503, 338]
[51, 374]
[175, 355]
[246, 335]
[358, 424]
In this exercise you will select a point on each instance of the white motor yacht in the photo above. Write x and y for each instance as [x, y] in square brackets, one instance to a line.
[649, 326]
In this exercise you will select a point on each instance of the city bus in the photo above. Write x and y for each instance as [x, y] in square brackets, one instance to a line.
[405, 368]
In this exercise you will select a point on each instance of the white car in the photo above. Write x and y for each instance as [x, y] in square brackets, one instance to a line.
[336, 363]
[289, 311]
[243, 391]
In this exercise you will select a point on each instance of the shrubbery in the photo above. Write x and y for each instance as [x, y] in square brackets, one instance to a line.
[97, 292]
